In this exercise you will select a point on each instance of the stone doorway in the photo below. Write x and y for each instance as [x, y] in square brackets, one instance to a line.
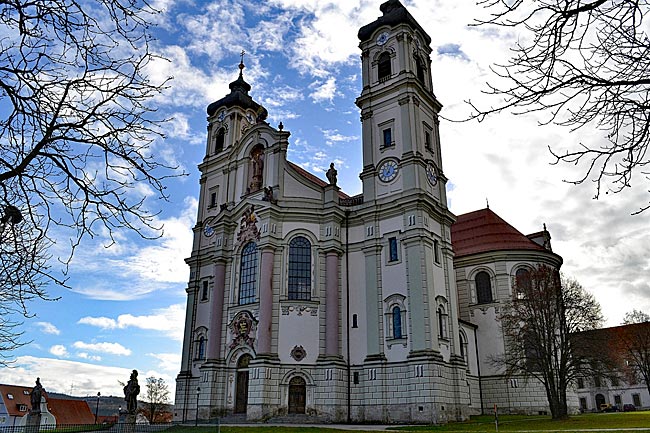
[297, 395]
[241, 384]
[600, 399]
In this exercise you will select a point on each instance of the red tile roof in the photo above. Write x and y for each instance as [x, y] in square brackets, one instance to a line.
[20, 396]
[70, 411]
[483, 230]
[313, 178]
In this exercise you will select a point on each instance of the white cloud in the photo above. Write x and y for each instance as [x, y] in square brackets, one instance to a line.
[168, 361]
[48, 328]
[324, 91]
[84, 355]
[59, 350]
[110, 348]
[170, 320]
[65, 376]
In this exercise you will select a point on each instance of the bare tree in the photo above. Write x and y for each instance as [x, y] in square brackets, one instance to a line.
[156, 399]
[539, 326]
[583, 63]
[632, 343]
[77, 135]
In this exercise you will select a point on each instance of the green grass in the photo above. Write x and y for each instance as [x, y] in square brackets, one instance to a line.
[596, 422]
[515, 423]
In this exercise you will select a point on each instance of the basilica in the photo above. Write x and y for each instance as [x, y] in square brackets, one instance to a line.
[379, 307]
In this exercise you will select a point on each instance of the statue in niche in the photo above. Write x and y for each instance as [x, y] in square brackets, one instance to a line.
[257, 165]
[269, 195]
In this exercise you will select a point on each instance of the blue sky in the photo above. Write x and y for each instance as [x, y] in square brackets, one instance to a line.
[126, 305]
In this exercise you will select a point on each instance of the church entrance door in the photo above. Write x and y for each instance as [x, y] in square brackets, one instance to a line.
[600, 399]
[297, 395]
[241, 385]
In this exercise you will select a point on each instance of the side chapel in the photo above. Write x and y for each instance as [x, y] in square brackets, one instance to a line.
[377, 307]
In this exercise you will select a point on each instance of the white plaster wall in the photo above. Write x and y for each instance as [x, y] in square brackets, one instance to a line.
[298, 330]
[293, 188]
[490, 339]
[358, 340]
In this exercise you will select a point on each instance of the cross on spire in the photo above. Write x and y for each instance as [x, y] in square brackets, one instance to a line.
[241, 64]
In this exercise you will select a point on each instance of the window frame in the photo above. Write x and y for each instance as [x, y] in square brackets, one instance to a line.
[384, 67]
[482, 290]
[302, 257]
[248, 268]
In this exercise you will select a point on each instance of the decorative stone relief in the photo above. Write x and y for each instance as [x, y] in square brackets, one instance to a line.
[242, 329]
[248, 230]
[298, 353]
[286, 309]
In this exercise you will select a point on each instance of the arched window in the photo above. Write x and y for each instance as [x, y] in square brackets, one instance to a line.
[221, 136]
[200, 349]
[397, 322]
[300, 269]
[248, 274]
[442, 322]
[483, 288]
[522, 283]
[383, 67]
[463, 346]
[419, 69]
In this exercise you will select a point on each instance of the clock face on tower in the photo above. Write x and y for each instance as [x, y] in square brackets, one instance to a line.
[382, 38]
[431, 174]
[388, 171]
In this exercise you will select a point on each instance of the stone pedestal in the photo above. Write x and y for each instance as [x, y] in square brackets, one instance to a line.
[33, 423]
[129, 423]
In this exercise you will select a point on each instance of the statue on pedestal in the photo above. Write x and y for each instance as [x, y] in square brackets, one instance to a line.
[35, 397]
[131, 391]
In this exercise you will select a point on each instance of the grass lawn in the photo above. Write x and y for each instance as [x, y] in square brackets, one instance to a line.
[513, 423]
[593, 422]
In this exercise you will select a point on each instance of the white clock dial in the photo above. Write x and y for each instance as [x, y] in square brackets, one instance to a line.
[388, 171]
[382, 38]
[431, 175]
[208, 230]
[221, 116]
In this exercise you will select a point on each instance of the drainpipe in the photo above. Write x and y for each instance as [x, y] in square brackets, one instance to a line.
[347, 306]
[478, 366]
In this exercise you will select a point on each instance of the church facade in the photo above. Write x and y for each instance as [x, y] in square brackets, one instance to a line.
[377, 307]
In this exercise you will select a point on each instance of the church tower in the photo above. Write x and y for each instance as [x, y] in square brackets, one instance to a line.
[399, 112]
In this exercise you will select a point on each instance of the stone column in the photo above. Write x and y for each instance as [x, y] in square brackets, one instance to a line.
[373, 304]
[332, 304]
[216, 316]
[187, 338]
[266, 301]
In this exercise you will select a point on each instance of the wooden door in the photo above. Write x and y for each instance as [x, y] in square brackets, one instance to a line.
[241, 384]
[297, 395]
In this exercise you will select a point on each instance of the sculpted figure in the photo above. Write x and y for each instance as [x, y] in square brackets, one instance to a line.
[131, 391]
[331, 174]
[35, 396]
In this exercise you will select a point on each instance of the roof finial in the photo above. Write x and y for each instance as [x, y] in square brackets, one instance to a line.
[241, 64]
[487, 203]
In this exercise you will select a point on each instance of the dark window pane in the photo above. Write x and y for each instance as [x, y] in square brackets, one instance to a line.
[397, 322]
[300, 269]
[388, 137]
[248, 274]
[221, 135]
[392, 243]
[483, 288]
[384, 67]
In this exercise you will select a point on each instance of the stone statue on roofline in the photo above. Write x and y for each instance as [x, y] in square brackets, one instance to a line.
[331, 174]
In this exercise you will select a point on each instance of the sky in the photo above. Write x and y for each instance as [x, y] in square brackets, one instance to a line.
[125, 307]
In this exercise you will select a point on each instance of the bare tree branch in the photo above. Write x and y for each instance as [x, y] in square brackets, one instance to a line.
[585, 66]
[77, 134]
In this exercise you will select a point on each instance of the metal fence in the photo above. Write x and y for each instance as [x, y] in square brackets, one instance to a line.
[79, 428]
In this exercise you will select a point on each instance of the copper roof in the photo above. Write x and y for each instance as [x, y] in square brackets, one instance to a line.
[483, 230]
